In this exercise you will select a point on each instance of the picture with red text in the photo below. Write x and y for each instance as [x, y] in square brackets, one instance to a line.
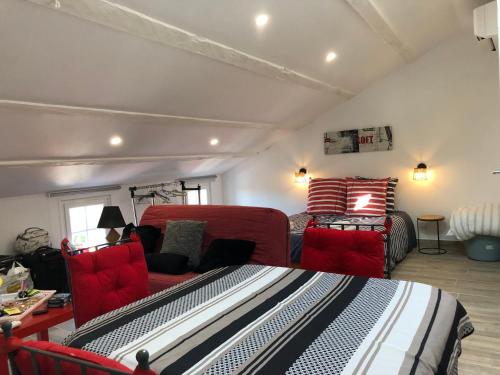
[358, 140]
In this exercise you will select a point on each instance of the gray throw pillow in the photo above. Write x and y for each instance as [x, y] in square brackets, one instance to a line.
[184, 237]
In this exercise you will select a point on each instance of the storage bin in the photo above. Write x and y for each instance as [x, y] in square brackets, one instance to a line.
[483, 248]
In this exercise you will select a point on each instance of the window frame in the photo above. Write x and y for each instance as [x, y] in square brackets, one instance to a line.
[204, 185]
[67, 204]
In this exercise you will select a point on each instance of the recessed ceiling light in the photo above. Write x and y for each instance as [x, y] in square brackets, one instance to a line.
[214, 142]
[115, 140]
[261, 20]
[330, 56]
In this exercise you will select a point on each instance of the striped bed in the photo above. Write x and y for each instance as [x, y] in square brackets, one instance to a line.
[403, 237]
[273, 320]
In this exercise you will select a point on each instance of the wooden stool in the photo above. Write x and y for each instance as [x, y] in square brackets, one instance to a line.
[427, 218]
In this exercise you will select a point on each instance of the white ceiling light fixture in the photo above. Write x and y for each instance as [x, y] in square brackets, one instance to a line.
[261, 20]
[115, 140]
[119, 17]
[330, 56]
[214, 142]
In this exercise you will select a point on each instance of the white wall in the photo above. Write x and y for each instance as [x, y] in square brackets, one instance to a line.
[444, 110]
[19, 213]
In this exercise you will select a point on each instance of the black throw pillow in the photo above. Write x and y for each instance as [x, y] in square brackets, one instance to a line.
[127, 231]
[147, 233]
[224, 252]
[173, 264]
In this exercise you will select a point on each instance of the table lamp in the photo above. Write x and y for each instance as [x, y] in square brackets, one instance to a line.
[111, 218]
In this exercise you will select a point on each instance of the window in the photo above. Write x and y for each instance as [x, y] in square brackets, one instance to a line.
[82, 216]
[192, 196]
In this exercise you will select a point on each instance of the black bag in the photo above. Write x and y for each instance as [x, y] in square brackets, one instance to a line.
[48, 269]
[148, 234]
[6, 262]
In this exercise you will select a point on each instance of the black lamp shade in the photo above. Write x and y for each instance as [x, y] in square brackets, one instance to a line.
[111, 217]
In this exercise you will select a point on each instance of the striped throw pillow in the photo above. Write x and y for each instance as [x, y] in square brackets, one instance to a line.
[327, 196]
[391, 191]
[366, 197]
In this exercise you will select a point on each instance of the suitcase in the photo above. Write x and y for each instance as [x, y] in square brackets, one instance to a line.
[48, 269]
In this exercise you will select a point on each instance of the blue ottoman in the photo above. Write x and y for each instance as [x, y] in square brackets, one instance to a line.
[483, 248]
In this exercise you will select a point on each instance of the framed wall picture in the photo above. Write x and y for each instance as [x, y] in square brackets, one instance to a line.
[358, 140]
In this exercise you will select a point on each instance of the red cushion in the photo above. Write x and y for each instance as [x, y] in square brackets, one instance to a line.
[392, 182]
[46, 364]
[366, 197]
[349, 252]
[107, 279]
[327, 196]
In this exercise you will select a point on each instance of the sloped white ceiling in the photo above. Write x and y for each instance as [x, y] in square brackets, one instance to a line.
[48, 56]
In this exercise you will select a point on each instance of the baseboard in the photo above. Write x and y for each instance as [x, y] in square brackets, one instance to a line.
[444, 243]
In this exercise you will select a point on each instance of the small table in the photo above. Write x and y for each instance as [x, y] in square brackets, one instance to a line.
[438, 249]
[40, 325]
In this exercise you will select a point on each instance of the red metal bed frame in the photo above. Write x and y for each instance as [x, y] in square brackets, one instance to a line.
[11, 345]
[386, 233]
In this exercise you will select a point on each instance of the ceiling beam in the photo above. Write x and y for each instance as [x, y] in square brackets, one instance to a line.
[122, 18]
[190, 120]
[119, 160]
[369, 12]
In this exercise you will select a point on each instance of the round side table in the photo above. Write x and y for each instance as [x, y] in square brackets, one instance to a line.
[437, 250]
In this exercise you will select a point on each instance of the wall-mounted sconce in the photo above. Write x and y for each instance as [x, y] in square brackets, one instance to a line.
[420, 173]
[301, 176]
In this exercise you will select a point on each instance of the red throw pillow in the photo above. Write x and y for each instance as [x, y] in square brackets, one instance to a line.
[327, 196]
[46, 364]
[366, 197]
[349, 252]
[391, 187]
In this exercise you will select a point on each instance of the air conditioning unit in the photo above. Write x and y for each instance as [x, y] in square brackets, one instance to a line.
[485, 21]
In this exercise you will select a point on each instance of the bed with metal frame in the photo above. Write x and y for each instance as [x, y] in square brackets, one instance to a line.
[384, 229]
[10, 346]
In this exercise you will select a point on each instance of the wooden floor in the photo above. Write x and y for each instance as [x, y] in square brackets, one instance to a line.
[477, 286]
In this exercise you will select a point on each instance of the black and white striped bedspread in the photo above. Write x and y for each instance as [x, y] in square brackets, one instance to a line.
[274, 320]
[402, 239]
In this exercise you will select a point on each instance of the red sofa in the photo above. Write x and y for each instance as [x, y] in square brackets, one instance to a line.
[267, 227]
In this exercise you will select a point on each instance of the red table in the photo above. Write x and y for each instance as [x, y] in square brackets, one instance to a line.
[40, 325]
